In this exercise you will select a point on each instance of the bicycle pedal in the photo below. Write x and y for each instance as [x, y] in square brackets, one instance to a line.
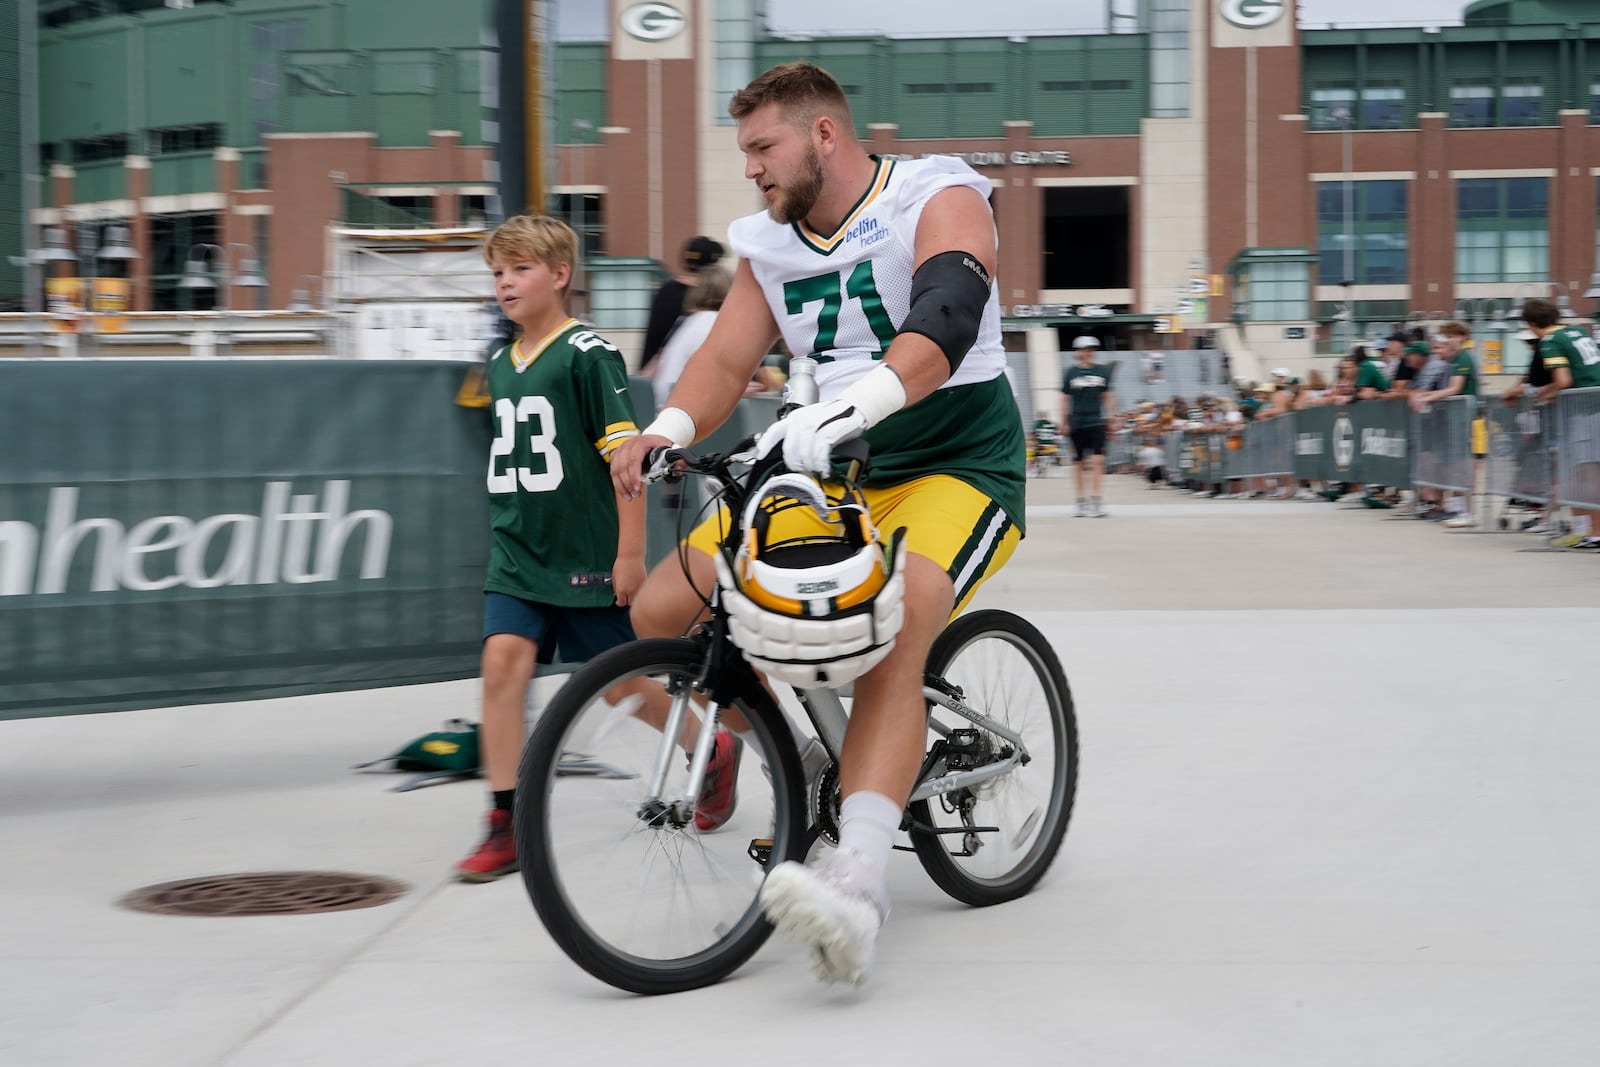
[760, 850]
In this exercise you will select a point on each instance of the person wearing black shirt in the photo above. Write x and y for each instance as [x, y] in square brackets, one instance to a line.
[667, 307]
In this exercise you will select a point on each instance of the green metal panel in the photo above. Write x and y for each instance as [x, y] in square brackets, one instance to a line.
[921, 81]
[1055, 69]
[980, 80]
[406, 94]
[188, 172]
[184, 70]
[106, 180]
[323, 90]
[1116, 91]
[84, 89]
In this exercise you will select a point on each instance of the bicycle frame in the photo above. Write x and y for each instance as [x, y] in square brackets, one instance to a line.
[823, 706]
[826, 711]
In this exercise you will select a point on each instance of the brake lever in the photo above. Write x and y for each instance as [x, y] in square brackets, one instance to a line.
[660, 465]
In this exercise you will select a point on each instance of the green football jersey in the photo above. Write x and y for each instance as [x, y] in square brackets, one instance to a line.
[1371, 373]
[1575, 350]
[560, 408]
[971, 432]
[1087, 386]
[1463, 367]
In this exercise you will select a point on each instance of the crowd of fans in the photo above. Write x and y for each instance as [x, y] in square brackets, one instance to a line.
[1413, 365]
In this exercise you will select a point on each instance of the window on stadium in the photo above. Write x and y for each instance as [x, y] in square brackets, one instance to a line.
[1502, 230]
[1383, 106]
[170, 140]
[1379, 244]
[1472, 105]
[1330, 104]
[1522, 104]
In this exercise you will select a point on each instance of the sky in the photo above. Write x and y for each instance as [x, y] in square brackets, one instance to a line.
[586, 19]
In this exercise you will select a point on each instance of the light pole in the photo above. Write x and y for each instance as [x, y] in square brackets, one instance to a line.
[1346, 119]
[1486, 317]
[578, 205]
[55, 248]
[197, 275]
[300, 298]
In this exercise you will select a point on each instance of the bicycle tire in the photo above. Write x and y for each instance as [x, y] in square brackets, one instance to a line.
[549, 859]
[948, 871]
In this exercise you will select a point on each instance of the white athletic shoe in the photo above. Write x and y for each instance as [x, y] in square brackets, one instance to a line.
[1460, 522]
[833, 909]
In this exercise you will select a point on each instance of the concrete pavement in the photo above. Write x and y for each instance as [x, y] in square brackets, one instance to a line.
[1336, 808]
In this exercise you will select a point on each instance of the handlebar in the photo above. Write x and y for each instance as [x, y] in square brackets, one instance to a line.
[669, 464]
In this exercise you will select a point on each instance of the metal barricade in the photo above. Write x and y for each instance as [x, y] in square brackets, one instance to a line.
[1577, 451]
[1441, 436]
[1180, 457]
[1266, 450]
[1121, 451]
[1521, 448]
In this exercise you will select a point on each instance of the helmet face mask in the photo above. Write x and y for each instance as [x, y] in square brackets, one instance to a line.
[811, 595]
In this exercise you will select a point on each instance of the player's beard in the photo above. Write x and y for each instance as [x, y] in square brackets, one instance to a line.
[798, 198]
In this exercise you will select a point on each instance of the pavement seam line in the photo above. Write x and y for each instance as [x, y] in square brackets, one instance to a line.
[336, 969]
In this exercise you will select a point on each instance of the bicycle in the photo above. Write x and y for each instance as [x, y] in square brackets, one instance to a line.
[649, 904]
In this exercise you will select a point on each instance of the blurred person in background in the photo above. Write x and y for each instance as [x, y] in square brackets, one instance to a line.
[700, 306]
[1085, 411]
[1314, 392]
[1450, 347]
[666, 308]
[1570, 359]
[1153, 461]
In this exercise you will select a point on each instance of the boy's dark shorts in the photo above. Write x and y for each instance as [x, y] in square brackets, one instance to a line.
[1089, 441]
[578, 634]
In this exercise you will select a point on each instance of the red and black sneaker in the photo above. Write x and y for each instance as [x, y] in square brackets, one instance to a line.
[719, 793]
[497, 856]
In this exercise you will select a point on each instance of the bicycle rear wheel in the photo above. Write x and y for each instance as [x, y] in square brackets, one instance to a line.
[1006, 670]
[638, 898]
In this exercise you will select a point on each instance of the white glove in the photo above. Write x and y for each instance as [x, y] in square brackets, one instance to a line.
[809, 434]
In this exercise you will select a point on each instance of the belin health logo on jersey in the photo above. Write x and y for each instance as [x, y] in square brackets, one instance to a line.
[1252, 14]
[867, 231]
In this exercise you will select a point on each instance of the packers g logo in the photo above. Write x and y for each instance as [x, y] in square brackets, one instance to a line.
[1344, 443]
[1252, 14]
[652, 22]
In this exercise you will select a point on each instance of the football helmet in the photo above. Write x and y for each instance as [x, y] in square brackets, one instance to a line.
[821, 604]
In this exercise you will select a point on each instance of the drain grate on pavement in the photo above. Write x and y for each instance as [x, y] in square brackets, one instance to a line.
[266, 893]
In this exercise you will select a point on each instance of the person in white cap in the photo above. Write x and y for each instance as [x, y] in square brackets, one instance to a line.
[1085, 411]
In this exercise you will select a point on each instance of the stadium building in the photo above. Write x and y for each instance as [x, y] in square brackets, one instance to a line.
[1207, 172]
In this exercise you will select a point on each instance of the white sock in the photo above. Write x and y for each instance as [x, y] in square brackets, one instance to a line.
[867, 825]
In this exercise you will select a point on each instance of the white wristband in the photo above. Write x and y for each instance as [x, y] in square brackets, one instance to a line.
[877, 394]
[674, 424]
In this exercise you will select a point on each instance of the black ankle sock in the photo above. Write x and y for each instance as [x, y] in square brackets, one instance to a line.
[503, 799]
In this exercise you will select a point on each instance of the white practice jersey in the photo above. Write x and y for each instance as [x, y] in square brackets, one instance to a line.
[841, 297]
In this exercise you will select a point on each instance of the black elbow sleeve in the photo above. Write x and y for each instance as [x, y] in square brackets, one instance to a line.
[948, 295]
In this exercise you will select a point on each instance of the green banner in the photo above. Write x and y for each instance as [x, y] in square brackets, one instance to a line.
[1313, 449]
[189, 531]
[1382, 442]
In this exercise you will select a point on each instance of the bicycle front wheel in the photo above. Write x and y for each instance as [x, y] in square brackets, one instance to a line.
[1006, 670]
[636, 896]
